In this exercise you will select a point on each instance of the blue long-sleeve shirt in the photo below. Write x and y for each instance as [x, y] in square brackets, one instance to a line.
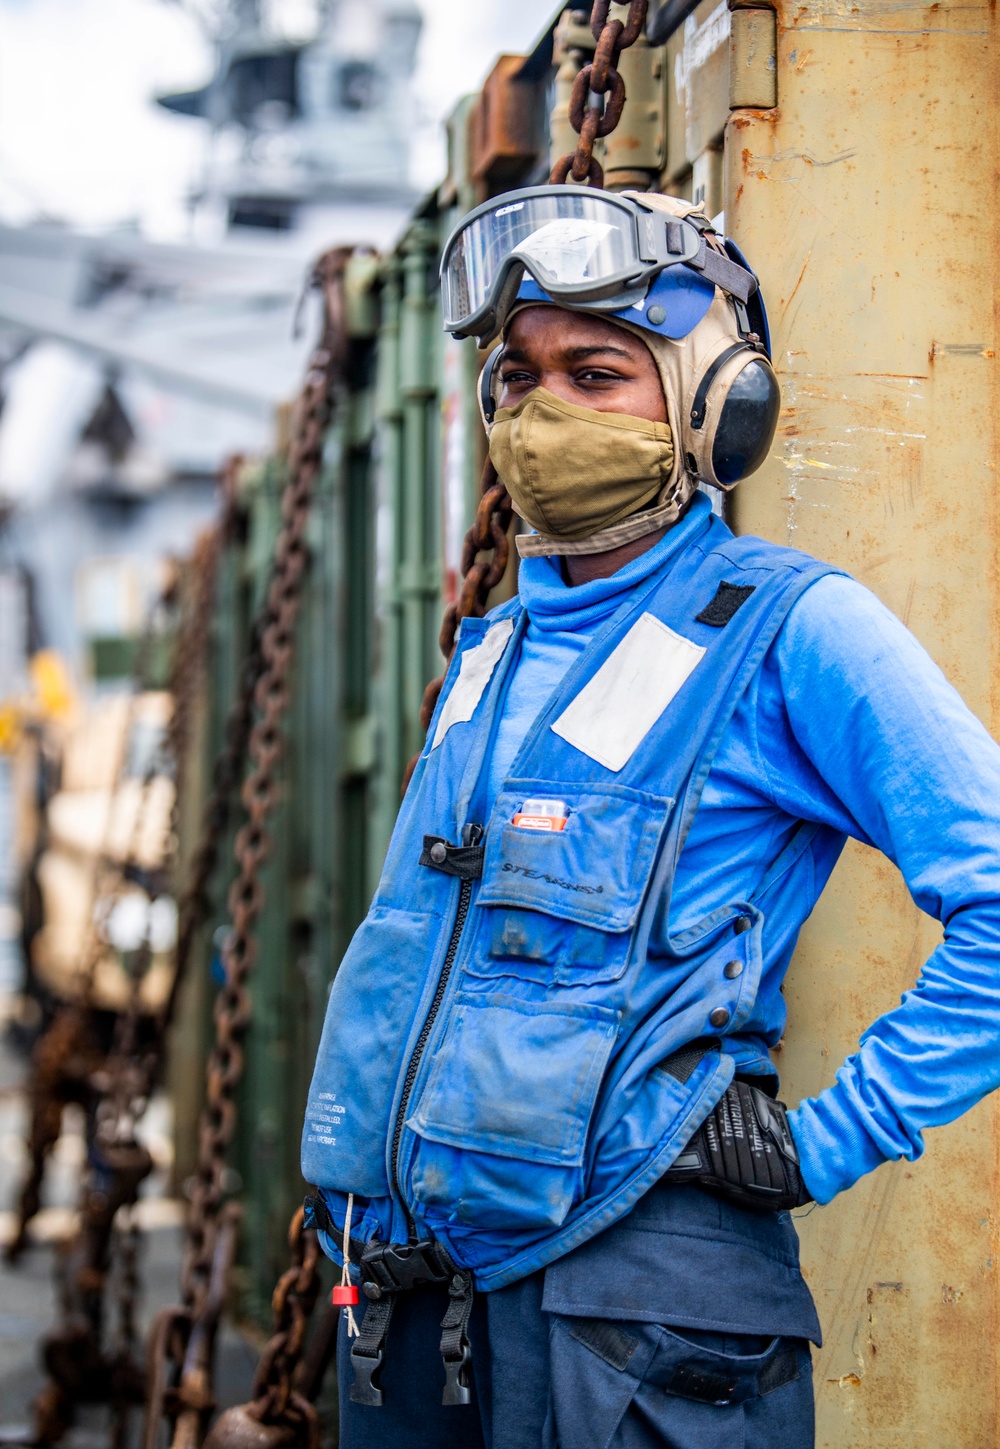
[849, 724]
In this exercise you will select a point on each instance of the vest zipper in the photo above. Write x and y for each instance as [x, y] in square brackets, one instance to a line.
[472, 834]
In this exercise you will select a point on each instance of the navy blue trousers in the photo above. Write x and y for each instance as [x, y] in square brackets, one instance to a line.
[644, 1337]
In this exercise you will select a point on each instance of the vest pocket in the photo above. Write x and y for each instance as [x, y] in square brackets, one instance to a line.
[350, 1100]
[534, 946]
[594, 871]
[560, 905]
[512, 1087]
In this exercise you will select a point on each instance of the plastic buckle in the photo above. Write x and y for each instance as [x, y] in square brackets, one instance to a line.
[364, 1389]
[396, 1267]
[456, 1380]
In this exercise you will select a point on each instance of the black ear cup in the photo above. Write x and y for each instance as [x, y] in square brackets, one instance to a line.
[747, 422]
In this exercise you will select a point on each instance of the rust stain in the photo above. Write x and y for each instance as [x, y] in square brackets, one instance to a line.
[798, 283]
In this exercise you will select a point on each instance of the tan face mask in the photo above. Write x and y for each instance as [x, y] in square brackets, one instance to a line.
[572, 472]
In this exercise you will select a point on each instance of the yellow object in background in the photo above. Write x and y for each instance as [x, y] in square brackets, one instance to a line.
[50, 701]
[51, 685]
[10, 726]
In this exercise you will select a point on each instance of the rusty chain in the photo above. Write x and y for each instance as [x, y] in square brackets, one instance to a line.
[598, 96]
[278, 1400]
[117, 1089]
[486, 549]
[185, 1335]
[127, 1245]
[195, 903]
[68, 1052]
[191, 650]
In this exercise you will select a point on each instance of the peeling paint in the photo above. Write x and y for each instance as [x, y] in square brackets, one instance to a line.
[797, 459]
[767, 164]
[962, 349]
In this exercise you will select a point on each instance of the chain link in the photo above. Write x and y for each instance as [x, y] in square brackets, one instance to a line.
[598, 96]
[590, 116]
[266, 692]
[195, 903]
[115, 1091]
[68, 1054]
[275, 1398]
[487, 536]
[259, 793]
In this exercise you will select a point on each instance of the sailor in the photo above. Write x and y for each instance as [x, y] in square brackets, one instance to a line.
[544, 1124]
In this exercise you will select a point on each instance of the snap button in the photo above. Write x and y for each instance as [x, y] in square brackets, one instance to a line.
[743, 923]
[372, 1291]
[732, 969]
[719, 1016]
[439, 852]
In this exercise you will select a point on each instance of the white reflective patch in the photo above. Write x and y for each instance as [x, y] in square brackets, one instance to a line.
[614, 711]
[475, 672]
[565, 247]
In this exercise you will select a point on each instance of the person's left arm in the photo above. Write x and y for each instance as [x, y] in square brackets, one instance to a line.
[880, 729]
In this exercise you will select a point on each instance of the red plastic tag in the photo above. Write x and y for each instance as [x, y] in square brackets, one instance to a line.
[344, 1295]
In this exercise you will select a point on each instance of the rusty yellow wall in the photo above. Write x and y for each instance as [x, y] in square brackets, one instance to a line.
[867, 199]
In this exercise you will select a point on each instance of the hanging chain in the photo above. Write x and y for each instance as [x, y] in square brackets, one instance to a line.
[598, 96]
[68, 1053]
[211, 1225]
[276, 1399]
[117, 1089]
[590, 116]
[195, 904]
[260, 790]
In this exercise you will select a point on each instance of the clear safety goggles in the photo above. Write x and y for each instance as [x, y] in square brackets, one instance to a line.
[583, 247]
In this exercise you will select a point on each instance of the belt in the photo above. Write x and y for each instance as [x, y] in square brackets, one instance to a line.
[388, 1269]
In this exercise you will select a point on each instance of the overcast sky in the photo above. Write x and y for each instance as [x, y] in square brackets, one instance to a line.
[81, 141]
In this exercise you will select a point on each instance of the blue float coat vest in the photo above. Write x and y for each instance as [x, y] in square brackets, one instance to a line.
[489, 1071]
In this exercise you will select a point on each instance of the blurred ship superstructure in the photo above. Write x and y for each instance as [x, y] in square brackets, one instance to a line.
[130, 370]
[307, 139]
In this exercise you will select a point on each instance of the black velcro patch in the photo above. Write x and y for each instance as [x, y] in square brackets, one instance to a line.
[681, 1064]
[782, 1369]
[728, 598]
[608, 1341]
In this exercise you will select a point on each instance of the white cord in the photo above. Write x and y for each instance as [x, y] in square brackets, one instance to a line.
[345, 1273]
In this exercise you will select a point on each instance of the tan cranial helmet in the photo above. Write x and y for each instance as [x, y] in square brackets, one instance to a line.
[721, 394]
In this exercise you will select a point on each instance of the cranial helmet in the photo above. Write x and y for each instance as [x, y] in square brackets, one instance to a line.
[653, 264]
